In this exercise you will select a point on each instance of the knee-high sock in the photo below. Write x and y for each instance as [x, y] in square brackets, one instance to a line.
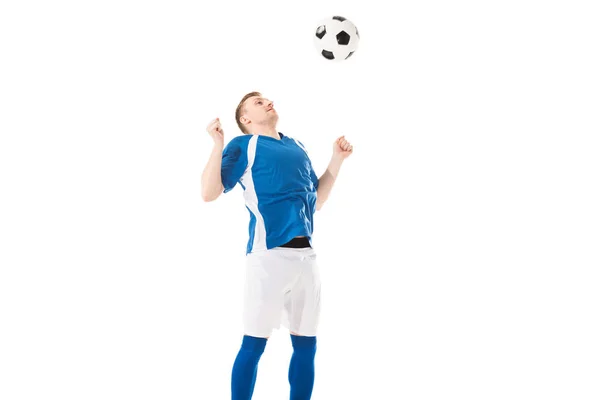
[302, 367]
[245, 367]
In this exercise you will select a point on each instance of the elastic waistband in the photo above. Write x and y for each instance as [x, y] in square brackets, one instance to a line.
[297, 243]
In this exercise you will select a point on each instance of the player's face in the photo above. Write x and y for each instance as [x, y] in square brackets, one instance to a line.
[260, 110]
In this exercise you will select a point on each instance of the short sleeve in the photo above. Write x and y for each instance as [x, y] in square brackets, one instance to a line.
[233, 164]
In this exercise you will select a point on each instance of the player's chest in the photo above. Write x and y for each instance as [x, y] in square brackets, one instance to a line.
[279, 154]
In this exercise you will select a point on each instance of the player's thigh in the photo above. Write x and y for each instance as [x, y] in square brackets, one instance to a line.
[303, 302]
[263, 293]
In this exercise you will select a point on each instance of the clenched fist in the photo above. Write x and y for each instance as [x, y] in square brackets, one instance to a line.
[215, 131]
[342, 147]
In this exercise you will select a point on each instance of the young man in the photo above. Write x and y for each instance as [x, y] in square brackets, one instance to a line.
[282, 192]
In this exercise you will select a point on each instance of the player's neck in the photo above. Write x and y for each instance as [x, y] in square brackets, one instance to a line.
[270, 131]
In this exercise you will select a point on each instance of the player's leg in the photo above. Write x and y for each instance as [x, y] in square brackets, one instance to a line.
[303, 305]
[263, 302]
[301, 374]
[245, 367]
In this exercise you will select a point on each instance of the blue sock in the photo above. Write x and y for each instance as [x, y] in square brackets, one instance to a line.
[302, 367]
[243, 375]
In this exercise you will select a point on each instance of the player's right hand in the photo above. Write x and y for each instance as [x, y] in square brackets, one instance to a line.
[215, 131]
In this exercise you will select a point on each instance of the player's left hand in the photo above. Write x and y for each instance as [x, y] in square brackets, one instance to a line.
[342, 147]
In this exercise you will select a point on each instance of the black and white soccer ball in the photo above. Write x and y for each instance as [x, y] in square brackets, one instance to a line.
[336, 38]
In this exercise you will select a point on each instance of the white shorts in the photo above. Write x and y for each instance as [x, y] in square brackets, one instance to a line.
[282, 287]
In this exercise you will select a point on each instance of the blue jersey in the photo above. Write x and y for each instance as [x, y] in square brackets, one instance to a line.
[280, 187]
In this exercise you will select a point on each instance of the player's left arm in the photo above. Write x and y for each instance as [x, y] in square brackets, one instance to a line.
[341, 150]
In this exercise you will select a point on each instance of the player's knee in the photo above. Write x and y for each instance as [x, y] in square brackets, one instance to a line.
[306, 345]
[297, 334]
[253, 344]
[257, 336]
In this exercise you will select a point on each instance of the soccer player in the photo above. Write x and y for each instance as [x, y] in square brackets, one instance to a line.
[282, 193]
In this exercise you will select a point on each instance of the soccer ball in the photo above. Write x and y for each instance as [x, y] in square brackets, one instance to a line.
[336, 38]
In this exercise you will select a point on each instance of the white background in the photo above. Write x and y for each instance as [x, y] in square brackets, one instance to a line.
[459, 249]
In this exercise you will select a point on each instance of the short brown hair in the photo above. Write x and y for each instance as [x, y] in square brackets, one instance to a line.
[240, 109]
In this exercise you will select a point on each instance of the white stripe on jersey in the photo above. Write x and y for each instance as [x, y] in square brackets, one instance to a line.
[260, 233]
[300, 145]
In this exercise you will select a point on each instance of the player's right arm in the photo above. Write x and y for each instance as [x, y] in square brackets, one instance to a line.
[212, 185]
